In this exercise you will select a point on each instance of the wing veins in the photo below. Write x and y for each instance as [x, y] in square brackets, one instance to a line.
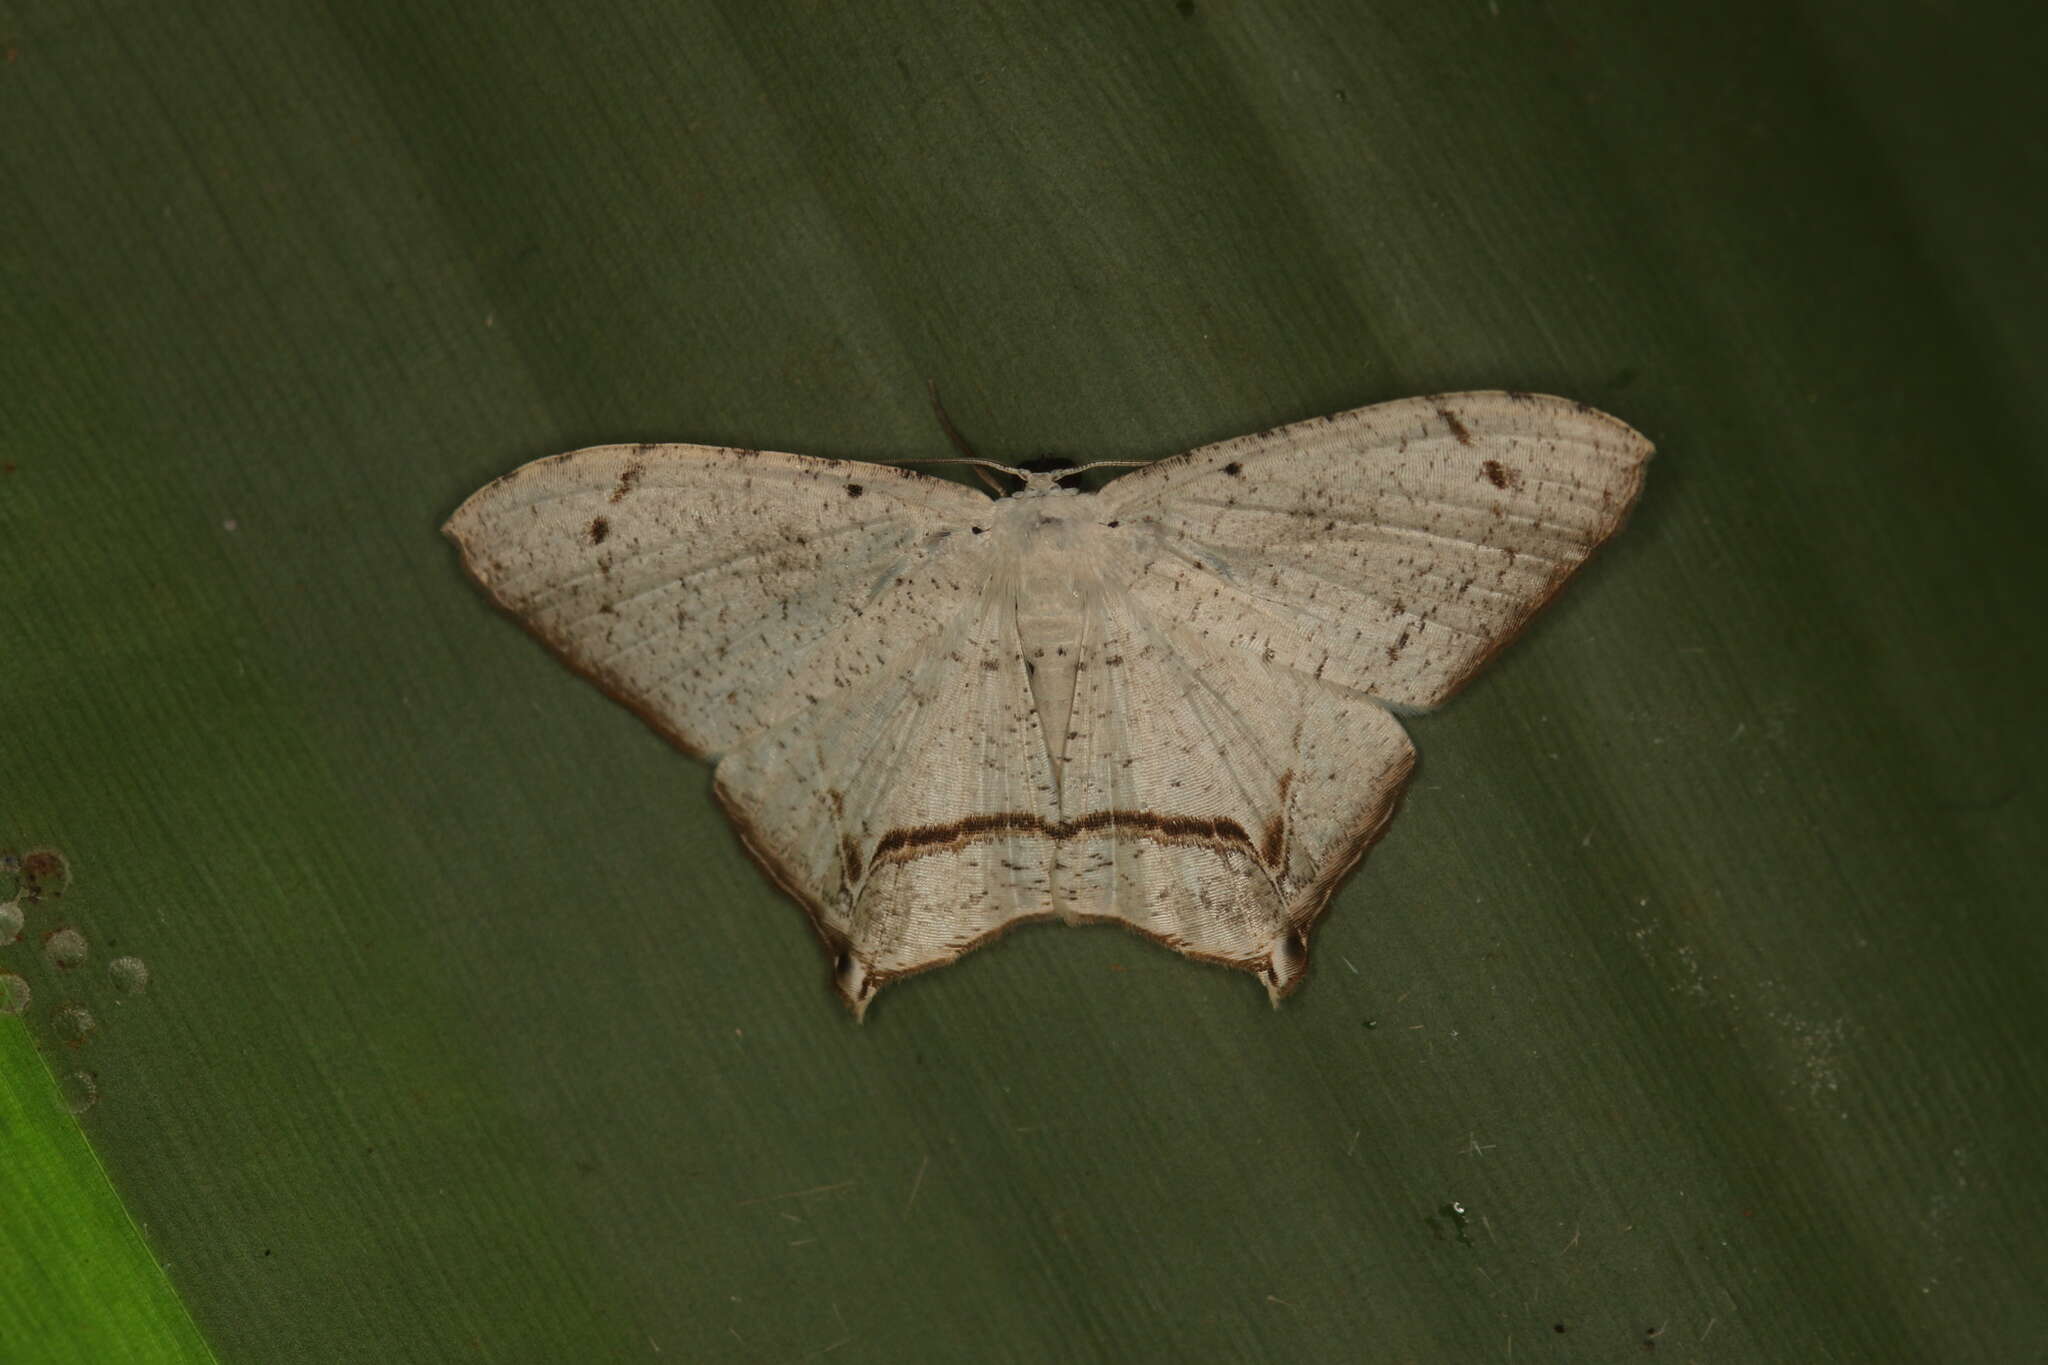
[700, 571]
[1446, 579]
[902, 717]
[1293, 608]
[1295, 516]
[706, 474]
[663, 584]
[1242, 735]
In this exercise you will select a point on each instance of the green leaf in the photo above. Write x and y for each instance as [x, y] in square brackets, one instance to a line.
[76, 1281]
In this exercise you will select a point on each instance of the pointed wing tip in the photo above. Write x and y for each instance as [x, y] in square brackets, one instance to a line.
[1636, 445]
[462, 522]
[854, 984]
[457, 531]
[1285, 966]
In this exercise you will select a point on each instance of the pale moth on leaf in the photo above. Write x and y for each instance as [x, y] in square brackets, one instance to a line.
[937, 714]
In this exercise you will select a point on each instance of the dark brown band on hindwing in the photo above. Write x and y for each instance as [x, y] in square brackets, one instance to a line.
[918, 841]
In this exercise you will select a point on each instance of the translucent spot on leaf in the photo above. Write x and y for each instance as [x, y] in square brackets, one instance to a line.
[65, 949]
[131, 974]
[43, 872]
[14, 994]
[79, 1090]
[73, 1023]
[10, 922]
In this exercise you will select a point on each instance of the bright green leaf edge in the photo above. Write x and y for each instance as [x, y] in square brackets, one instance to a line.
[77, 1281]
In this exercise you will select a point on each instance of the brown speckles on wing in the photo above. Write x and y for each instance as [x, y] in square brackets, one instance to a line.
[1273, 844]
[629, 478]
[1393, 549]
[1457, 428]
[1197, 726]
[908, 815]
[717, 591]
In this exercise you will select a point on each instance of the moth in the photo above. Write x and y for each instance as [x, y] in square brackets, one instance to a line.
[1169, 703]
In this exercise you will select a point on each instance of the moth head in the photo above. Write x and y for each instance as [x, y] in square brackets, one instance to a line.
[1049, 473]
[1041, 481]
[1042, 475]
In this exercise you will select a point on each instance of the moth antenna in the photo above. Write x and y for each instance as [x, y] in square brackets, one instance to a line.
[967, 456]
[967, 452]
[978, 465]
